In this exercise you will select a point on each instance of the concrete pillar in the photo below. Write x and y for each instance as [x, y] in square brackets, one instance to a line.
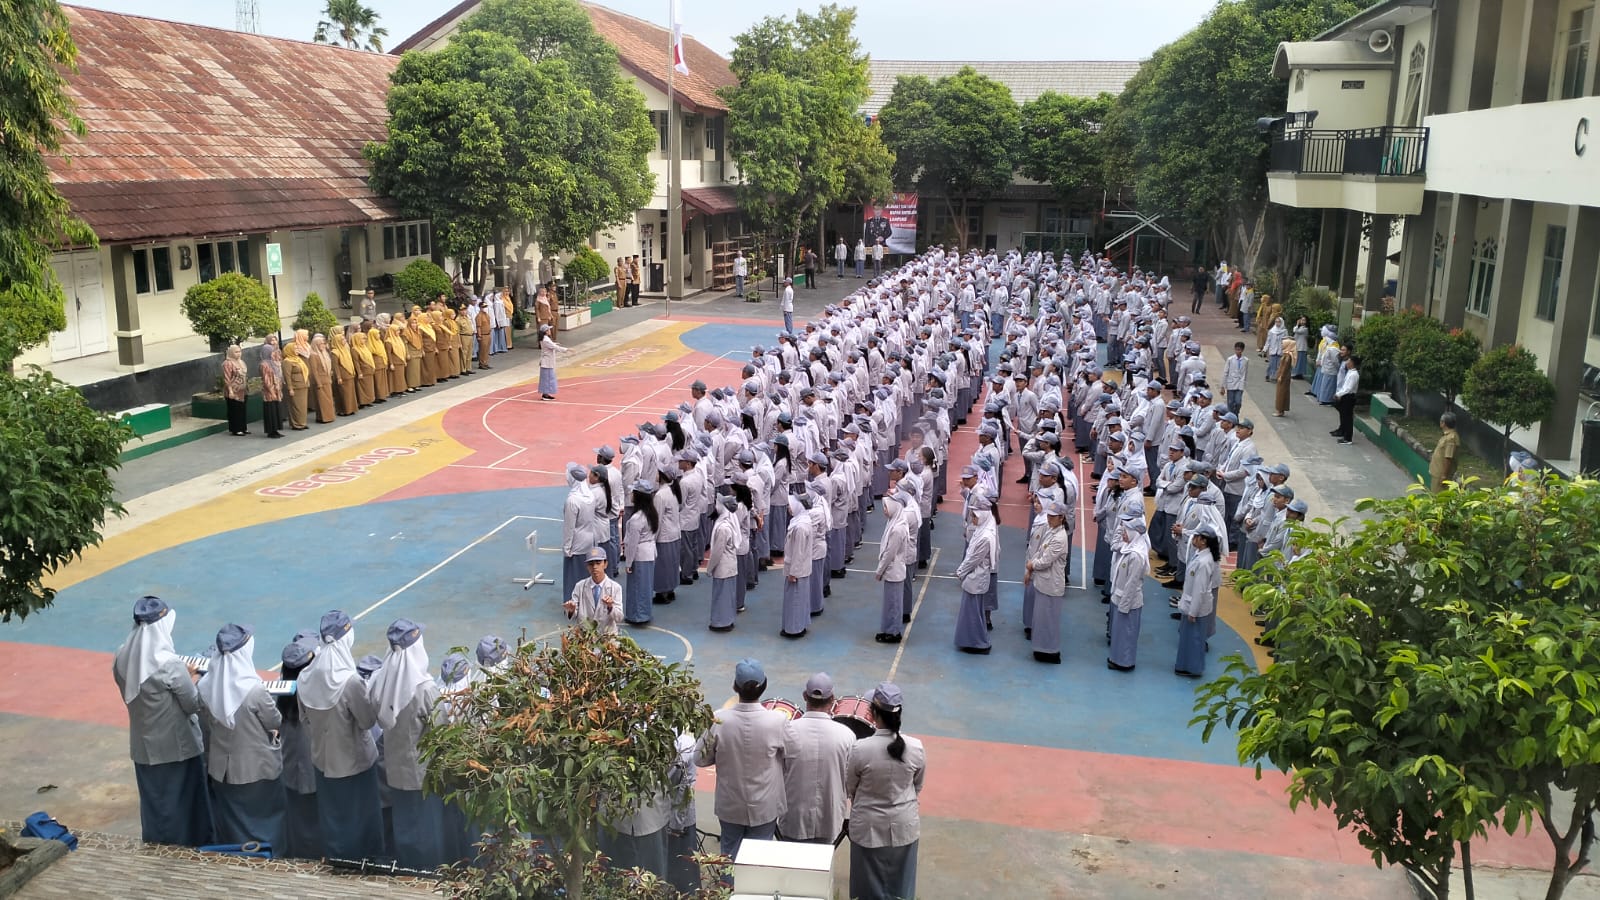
[1485, 48]
[1327, 249]
[1416, 256]
[130, 336]
[1350, 257]
[1574, 305]
[1462, 230]
[1538, 49]
[1510, 272]
[1377, 263]
[1442, 54]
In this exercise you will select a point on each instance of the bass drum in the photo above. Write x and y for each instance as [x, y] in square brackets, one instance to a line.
[778, 704]
[855, 713]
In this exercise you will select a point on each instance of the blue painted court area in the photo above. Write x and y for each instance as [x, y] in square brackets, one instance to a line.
[718, 339]
[448, 563]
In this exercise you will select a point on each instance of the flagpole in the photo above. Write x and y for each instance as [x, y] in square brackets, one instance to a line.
[674, 169]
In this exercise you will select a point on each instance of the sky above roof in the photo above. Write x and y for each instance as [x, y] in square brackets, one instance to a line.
[890, 29]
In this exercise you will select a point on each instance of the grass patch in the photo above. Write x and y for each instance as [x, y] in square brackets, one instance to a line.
[1468, 464]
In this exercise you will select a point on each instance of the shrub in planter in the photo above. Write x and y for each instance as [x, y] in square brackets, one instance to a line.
[586, 268]
[230, 308]
[1506, 387]
[314, 317]
[1434, 359]
[420, 282]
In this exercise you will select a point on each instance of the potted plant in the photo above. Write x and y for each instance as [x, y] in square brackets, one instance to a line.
[230, 308]
[211, 404]
[585, 268]
[421, 282]
[314, 317]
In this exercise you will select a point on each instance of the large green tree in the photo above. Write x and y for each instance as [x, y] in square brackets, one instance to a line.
[957, 138]
[34, 108]
[1063, 142]
[1183, 131]
[1438, 673]
[792, 123]
[350, 24]
[524, 118]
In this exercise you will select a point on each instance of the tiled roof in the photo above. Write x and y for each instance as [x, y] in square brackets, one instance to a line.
[643, 48]
[196, 131]
[713, 201]
[1027, 80]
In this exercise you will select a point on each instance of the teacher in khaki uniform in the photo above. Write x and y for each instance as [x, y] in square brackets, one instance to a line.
[816, 753]
[746, 744]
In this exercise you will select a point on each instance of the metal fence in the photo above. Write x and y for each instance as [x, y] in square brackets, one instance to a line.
[1390, 151]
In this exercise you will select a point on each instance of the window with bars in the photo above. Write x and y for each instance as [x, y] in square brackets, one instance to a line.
[1555, 251]
[407, 240]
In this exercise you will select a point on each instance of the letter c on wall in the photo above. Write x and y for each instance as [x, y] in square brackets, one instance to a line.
[1580, 142]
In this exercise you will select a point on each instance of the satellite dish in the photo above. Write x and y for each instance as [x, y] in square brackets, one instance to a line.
[1380, 41]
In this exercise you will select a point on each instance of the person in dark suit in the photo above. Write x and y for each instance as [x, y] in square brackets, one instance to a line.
[878, 228]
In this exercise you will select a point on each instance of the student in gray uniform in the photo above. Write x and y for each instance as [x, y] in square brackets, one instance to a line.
[895, 550]
[816, 753]
[745, 743]
[339, 717]
[303, 836]
[163, 730]
[637, 838]
[242, 724]
[1046, 572]
[883, 778]
[683, 837]
[405, 694]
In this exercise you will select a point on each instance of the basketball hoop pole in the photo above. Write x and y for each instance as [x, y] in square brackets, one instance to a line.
[535, 576]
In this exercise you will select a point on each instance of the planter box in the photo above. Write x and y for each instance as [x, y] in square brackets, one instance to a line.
[601, 307]
[213, 406]
[148, 419]
[574, 319]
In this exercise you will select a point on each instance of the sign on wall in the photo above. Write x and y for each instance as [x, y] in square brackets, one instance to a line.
[274, 259]
[894, 224]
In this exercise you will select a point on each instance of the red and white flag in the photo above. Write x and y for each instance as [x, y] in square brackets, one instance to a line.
[680, 63]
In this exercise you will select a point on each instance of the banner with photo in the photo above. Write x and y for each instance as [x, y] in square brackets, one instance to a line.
[893, 224]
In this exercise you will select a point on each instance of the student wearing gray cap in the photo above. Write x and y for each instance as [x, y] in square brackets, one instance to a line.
[883, 780]
[405, 693]
[816, 751]
[1046, 573]
[242, 757]
[163, 729]
[339, 716]
[745, 743]
[597, 598]
[303, 837]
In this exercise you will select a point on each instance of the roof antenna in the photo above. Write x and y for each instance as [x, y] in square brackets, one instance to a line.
[247, 16]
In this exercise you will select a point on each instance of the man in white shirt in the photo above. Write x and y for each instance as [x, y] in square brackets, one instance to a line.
[741, 270]
[788, 305]
[1344, 400]
[1234, 377]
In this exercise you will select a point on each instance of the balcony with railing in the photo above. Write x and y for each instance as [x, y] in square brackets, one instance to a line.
[1374, 170]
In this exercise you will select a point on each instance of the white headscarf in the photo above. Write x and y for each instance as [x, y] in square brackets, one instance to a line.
[229, 680]
[147, 649]
[404, 672]
[329, 670]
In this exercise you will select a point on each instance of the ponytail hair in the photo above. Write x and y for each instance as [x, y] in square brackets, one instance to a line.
[890, 719]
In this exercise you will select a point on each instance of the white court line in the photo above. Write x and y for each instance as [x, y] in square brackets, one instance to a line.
[905, 636]
[499, 468]
[444, 562]
[646, 397]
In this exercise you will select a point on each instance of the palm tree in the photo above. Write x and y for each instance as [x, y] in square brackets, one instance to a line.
[352, 22]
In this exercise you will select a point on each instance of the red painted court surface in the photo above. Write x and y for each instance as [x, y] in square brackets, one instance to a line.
[1071, 749]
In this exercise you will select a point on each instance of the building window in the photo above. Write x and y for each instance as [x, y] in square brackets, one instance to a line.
[407, 240]
[1480, 286]
[1555, 248]
[152, 270]
[1413, 107]
[221, 257]
[1051, 221]
[1575, 73]
[658, 118]
[714, 127]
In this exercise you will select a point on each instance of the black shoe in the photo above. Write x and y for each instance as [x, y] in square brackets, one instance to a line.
[1099, 581]
[1020, 481]
[740, 609]
[764, 565]
[1116, 668]
[658, 598]
[1173, 584]
[797, 635]
[639, 622]
[1165, 572]
[1172, 602]
[685, 582]
[975, 651]
[721, 629]
[815, 613]
[1176, 615]
[1334, 433]
[1105, 598]
[988, 622]
[850, 559]
[1186, 674]
[1027, 633]
[836, 573]
[1051, 658]
[827, 592]
[1346, 441]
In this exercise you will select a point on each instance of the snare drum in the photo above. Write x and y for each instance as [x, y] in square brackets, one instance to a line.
[778, 704]
[855, 713]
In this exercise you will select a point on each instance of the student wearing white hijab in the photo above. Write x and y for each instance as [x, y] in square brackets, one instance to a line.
[242, 725]
[980, 561]
[163, 730]
[339, 716]
[405, 694]
[1129, 568]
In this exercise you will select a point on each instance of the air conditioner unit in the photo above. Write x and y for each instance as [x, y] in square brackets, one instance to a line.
[1380, 41]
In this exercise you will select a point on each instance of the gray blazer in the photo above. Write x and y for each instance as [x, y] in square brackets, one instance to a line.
[402, 764]
[162, 725]
[247, 752]
[341, 736]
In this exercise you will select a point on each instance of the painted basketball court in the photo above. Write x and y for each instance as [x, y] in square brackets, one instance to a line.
[429, 515]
